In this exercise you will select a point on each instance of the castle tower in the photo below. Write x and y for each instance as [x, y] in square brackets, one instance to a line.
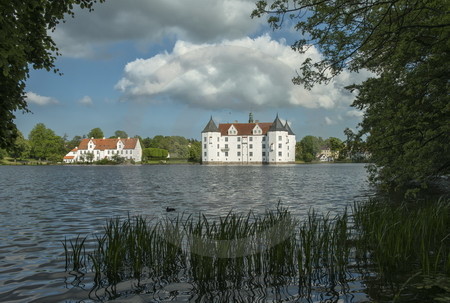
[210, 142]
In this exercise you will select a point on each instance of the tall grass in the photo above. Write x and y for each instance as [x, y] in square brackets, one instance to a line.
[241, 252]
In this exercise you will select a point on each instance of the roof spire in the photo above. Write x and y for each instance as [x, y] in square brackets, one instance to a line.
[211, 127]
[277, 125]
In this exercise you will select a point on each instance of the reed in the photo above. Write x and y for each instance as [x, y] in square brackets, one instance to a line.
[403, 237]
[242, 251]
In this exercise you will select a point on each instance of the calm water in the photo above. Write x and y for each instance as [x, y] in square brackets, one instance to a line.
[41, 205]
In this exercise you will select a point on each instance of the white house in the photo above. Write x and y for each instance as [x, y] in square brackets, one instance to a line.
[248, 143]
[97, 149]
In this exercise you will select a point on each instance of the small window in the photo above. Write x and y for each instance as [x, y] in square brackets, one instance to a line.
[218, 154]
[250, 138]
[218, 139]
[251, 145]
[239, 146]
[204, 154]
[250, 154]
[204, 146]
[218, 146]
[279, 145]
[226, 154]
[280, 154]
[263, 146]
[239, 139]
[238, 154]
[226, 139]
[264, 139]
[205, 138]
[226, 145]
[264, 154]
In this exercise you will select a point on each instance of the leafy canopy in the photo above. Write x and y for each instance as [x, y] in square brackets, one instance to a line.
[25, 43]
[405, 44]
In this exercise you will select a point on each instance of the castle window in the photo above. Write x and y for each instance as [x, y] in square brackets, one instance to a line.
[250, 138]
[239, 146]
[204, 154]
[226, 154]
[204, 146]
[264, 138]
[226, 139]
[279, 145]
[264, 154]
[205, 138]
[280, 138]
[238, 154]
[263, 146]
[251, 145]
[280, 154]
[226, 145]
[250, 154]
[239, 139]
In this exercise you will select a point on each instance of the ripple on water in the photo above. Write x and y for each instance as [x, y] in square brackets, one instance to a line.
[41, 206]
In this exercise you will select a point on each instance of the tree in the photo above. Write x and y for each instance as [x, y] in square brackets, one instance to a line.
[195, 151]
[120, 134]
[25, 44]
[310, 146]
[20, 149]
[404, 43]
[44, 144]
[75, 142]
[96, 133]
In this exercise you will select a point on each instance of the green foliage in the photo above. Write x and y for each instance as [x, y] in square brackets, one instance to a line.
[177, 146]
[406, 103]
[25, 28]
[21, 148]
[310, 146]
[3, 153]
[120, 134]
[195, 151]
[45, 144]
[95, 133]
[154, 153]
[75, 142]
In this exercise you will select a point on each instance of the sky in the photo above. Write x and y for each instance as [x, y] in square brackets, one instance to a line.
[165, 67]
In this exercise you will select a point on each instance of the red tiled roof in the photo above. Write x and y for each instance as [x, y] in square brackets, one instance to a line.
[102, 144]
[244, 129]
[69, 157]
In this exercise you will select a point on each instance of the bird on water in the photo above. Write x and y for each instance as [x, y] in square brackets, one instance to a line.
[169, 209]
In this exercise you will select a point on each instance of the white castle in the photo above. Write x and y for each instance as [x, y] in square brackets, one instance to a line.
[248, 143]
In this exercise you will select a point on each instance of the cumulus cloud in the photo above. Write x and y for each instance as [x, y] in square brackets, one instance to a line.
[143, 20]
[86, 101]
[40, 100]
[236, 74]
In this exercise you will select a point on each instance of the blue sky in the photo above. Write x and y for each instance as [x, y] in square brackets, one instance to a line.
[164, 67]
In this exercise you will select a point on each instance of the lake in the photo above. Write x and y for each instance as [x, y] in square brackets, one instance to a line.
[40, 206]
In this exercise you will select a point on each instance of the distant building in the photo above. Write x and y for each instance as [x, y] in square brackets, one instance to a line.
[327, 155]
[97, 149]
[248, 143]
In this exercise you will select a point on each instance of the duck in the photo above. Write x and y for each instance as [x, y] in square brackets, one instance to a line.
[169, 209]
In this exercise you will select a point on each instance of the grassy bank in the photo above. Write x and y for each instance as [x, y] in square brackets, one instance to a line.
[400, 252]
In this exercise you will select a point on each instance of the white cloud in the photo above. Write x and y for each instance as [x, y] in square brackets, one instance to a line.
[236, 74]
[40, 100]
[144, 21]
[328, 121]
[354, 113]
[86, 100]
